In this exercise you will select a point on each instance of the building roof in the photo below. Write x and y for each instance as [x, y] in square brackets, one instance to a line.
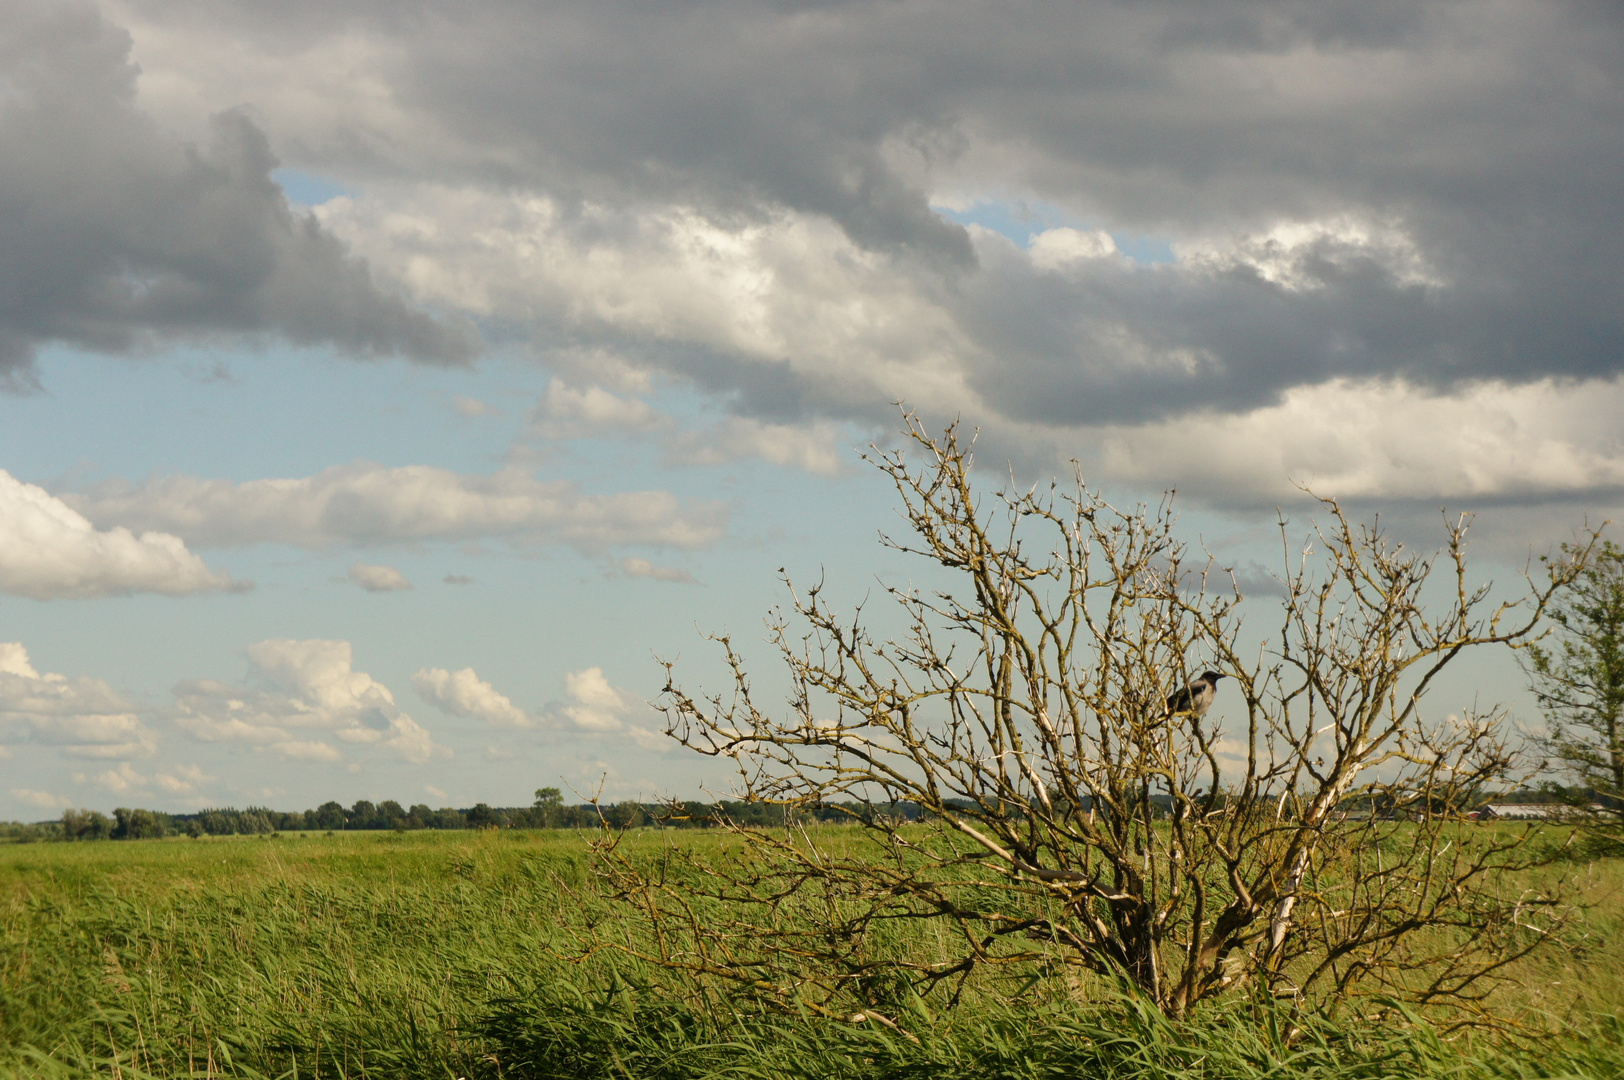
[1529, 810]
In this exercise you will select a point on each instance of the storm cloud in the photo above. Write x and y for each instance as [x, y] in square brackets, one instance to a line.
[115, 235]
[1447, 175]
[1054, 219]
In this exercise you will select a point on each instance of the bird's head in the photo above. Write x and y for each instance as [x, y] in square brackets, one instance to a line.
[1212, 676]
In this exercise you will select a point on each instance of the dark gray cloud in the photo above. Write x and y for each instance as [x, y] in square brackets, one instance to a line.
[114, 235]
[1105, 342]
[1486, 144]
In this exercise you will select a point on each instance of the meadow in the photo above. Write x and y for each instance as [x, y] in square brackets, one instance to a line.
[462, 954]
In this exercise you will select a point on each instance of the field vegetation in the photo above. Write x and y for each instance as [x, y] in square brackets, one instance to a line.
[485, 954]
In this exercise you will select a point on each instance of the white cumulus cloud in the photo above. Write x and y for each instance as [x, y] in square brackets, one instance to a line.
[470, 408]
[566, 411]
[788, 293]
[84, 717]
[816, 448]
[181, 779]
[48, 550]
[300, 693]
[304, 750]
[464, 693]
[1383, 438]
[1297, 254]
[378, 578]
[593, 705]
[42, 800]
[1054, 249]
[636, 567]
[364, 503]
[122, 779]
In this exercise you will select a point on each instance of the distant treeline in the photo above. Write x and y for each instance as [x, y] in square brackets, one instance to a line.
[549, 811]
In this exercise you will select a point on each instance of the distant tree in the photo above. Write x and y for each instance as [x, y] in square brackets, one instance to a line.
[481, 817]
[624, 815]
[137, 824]
[547, 812]
[1579, 681]
[31, 832]
[420, 816]
[85, 825]
[229, 821]
[391, 815]
[329, 815]
[363, 815]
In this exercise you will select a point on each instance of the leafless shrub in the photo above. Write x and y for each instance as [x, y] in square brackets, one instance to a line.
[1310, 845]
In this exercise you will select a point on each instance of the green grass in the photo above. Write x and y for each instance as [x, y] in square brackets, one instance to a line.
[456, 955]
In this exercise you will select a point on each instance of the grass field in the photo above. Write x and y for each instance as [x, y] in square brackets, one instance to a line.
[452, 954]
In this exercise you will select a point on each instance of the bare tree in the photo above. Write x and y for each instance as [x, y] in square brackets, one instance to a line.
[1015, 753]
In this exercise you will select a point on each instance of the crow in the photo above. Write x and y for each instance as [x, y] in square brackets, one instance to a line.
[1197, 697]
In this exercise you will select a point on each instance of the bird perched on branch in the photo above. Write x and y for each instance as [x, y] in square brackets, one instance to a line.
[1197, 697]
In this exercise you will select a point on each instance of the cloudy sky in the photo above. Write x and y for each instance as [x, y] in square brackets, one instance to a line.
[383, 386]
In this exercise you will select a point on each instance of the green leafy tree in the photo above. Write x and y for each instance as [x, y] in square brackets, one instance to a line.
[329, 815]
[624, 815]
[391, 815]
[85, 825]
[547, 812]
[1579, 682]
[138, 824]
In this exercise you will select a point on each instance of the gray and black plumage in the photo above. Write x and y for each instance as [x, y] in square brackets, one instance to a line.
[1197, 697]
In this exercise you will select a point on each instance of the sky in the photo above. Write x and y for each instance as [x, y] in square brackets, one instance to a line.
[387, 388]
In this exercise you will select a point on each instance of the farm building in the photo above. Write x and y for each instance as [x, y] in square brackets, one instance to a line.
[1525, 812]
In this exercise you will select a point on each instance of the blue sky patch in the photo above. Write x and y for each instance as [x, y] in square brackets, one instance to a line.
[1021, 219]
[303, 189]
